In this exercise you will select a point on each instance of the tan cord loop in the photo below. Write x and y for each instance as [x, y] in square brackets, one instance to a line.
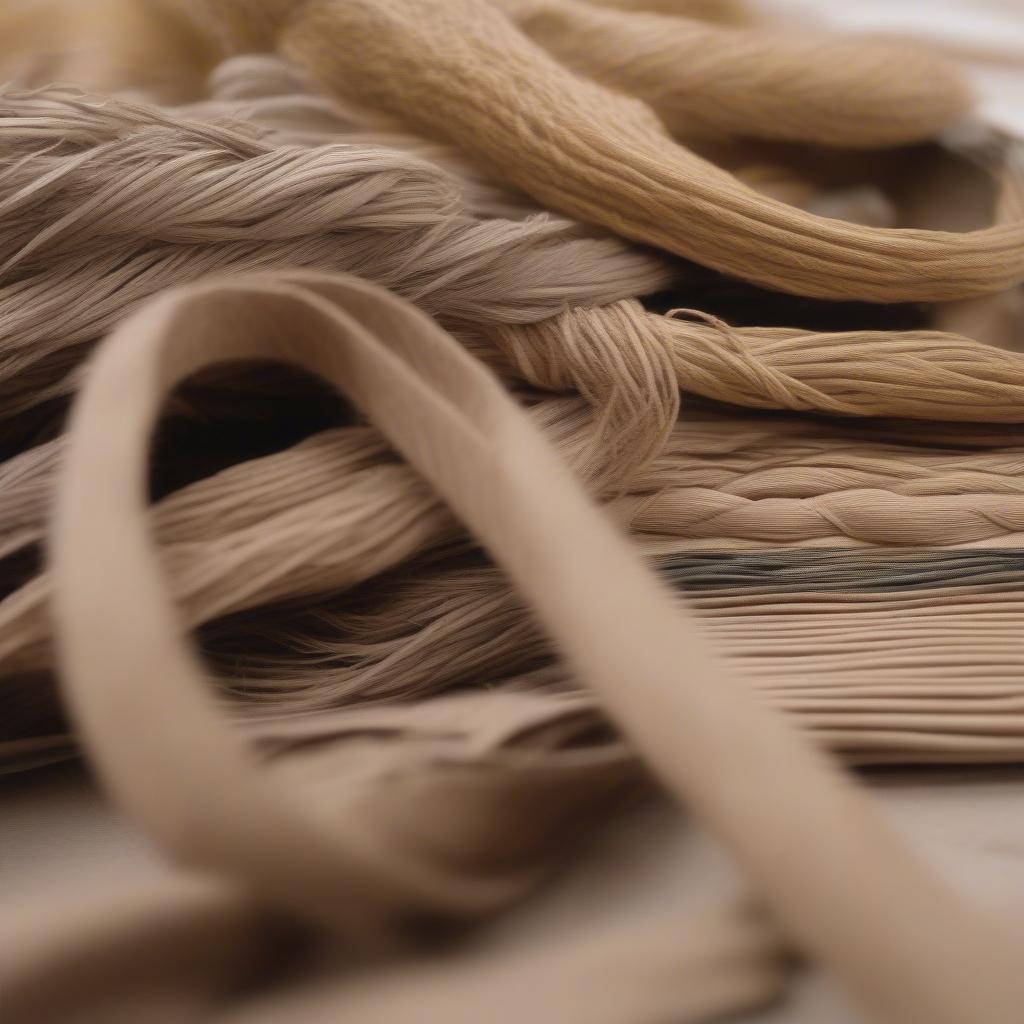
[809, 839]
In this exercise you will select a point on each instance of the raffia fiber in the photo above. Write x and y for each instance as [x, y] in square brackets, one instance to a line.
[401, 727]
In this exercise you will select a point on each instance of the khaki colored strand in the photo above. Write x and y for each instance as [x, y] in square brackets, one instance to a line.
[468, 76]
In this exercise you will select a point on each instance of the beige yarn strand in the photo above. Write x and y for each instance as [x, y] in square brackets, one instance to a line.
[459, 70]
[706, 79]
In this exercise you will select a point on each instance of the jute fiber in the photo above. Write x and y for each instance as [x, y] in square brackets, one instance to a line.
[428, 425]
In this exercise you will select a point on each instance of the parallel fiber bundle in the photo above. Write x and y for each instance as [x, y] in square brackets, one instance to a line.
[426, 424]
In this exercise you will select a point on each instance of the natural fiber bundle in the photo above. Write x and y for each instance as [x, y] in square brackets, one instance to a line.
[750, 457]
[468, 76]
[430, 371]
[866, 515]
[533, 570]
[916, 374]
[393, 218]
[882, 668]
[706, 79]
[269, 530]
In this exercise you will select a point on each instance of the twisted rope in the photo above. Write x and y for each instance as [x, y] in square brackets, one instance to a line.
[470, 77]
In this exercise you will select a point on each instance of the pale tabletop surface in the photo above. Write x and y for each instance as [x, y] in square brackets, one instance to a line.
[60, 840]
